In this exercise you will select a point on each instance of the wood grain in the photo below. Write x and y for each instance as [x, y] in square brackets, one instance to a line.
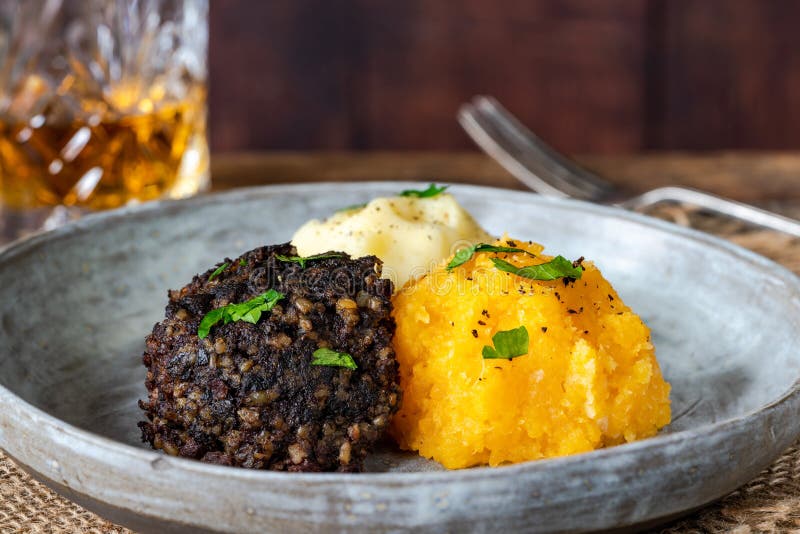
[751, 177]
[730, 75]
[358, 74]
[616, 76]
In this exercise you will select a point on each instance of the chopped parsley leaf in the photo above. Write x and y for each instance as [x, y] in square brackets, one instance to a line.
[558, 267]
[432, 191]
[303, 260]
[332, 358]
[507, 344]
[465, 254]
[249, 312]
[218, 271]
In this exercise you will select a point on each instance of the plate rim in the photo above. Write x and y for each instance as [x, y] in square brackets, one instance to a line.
[16, 248]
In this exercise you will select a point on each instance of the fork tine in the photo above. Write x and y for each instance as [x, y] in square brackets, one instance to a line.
[543, 169]
[493, 143]
[528, 166]
[572, 172]
[531, 153]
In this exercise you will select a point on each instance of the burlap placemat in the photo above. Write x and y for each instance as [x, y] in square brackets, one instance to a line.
[770, 503]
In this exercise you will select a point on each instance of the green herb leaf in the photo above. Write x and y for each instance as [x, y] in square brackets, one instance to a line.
[465, 254]
[303, 260]
[332, 358]
[242, 262]
[432, 191]
[209, 320]
[507, 344]
[249, 311]
[352, 207]
[218, 271]
[558, 267]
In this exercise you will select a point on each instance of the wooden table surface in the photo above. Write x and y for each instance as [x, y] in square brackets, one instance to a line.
[757, 177]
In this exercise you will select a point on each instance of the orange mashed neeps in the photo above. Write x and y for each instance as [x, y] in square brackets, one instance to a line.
[590, 378]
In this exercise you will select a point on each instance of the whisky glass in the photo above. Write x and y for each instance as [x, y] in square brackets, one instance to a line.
[102, 104]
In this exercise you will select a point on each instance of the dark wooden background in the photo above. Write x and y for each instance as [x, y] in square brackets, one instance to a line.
[608, 76]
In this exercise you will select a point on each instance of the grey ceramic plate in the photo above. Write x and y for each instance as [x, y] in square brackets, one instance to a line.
[75, 305]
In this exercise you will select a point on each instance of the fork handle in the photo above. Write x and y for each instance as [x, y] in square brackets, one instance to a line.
[731, 208]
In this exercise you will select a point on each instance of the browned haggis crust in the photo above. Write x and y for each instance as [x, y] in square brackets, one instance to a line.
[247, 394]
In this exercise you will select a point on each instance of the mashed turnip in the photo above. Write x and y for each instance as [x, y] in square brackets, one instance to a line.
[587, 377]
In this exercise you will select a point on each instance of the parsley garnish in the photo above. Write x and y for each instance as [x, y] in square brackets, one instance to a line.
[465, 254]
[352, 207]
[558, 267]
[218, 271]
[432, 191]
[507, 344]
[242, 262]
[302, 261]
[249, 312]
[332, 358]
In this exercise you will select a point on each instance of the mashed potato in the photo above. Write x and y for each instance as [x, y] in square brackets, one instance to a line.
[409, 234]
[589, 379]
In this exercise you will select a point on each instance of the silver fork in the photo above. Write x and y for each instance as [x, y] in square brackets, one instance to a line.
[538, 166]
